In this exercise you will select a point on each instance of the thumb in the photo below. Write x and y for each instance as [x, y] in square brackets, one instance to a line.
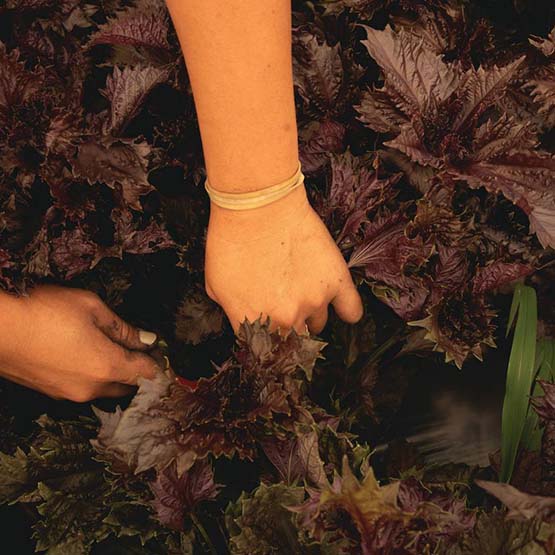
[347, 303]
[121, 332]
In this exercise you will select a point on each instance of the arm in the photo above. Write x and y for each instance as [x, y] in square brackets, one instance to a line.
[238, 56]
[279, 259]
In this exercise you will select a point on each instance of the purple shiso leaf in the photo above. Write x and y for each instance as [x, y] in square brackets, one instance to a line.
[143, 25]
[127, 90]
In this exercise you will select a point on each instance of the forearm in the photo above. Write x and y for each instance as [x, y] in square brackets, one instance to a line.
[238, 56]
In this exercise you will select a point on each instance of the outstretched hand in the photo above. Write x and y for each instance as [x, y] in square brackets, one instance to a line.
[278, 260]
[68, 344]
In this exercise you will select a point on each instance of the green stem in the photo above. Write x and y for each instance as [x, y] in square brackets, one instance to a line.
[203, 533]
[367, 358]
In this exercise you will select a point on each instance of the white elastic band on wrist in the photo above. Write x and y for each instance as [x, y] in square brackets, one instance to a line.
[254, 199]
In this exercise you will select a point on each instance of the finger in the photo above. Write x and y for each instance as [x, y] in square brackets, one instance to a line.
[129, 365]
[286, 325]
[121, 332]
[282, 325]
[317, 321]
[347, 303]
[116, 390]
[121, 364]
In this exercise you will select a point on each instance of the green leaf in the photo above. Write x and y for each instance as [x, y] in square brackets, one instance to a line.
[65, 515]
[13, 476]
[517, 295]
[495, 535]
[520, 375]
[545, 360]
[259, 524]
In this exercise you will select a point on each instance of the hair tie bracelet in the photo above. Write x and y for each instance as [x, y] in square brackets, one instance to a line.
[254, 199]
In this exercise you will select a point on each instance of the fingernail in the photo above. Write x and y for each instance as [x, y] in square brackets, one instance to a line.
[147, 337]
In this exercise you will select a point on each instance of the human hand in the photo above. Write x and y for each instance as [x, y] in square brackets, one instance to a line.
[68, 344]
[278, 260]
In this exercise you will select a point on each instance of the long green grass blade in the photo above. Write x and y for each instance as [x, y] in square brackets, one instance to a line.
[520, 376]
[517, 295]
[531, 435]
[545, 359]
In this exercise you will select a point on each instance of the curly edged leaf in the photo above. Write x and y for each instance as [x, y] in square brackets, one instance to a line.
[62, 530]
[365, 502]
[460, 325]
[545, 405]
[141, 437]
[317, 140]
[198, 317]
[79, 504]
[377, 111]
[119, 163]
[524, 177]
[297, 457]
[394, 262]
[498, 274]
[364, 8]
[259, 523]
[478, 89]
[318, 71]
[175, 496]
[414, 76]
[144, 25]
[59, 458]
[545, 46]
[260, 350]
[443, 131]
[544, 94]
[446, 515]
[355, 189]
[522, 506]
[494, 534]
[226, 414]
[134, 238]
[404, 513]
[17, 84]
[127, 90]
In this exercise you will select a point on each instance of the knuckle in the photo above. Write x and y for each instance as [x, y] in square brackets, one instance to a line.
[209, 292]
[105, 372]
[122, 331]
[90, 300]
[318, 303]
[81, 395]
[287, 317]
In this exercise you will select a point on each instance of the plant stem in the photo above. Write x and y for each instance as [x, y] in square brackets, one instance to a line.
[203, 533]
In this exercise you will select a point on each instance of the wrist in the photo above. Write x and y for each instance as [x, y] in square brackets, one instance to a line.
[245, 225]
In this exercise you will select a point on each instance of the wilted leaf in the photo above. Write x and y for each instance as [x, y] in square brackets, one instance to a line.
[521, 505]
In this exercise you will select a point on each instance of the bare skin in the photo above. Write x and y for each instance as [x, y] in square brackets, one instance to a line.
[68, 344]
[278, 260]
